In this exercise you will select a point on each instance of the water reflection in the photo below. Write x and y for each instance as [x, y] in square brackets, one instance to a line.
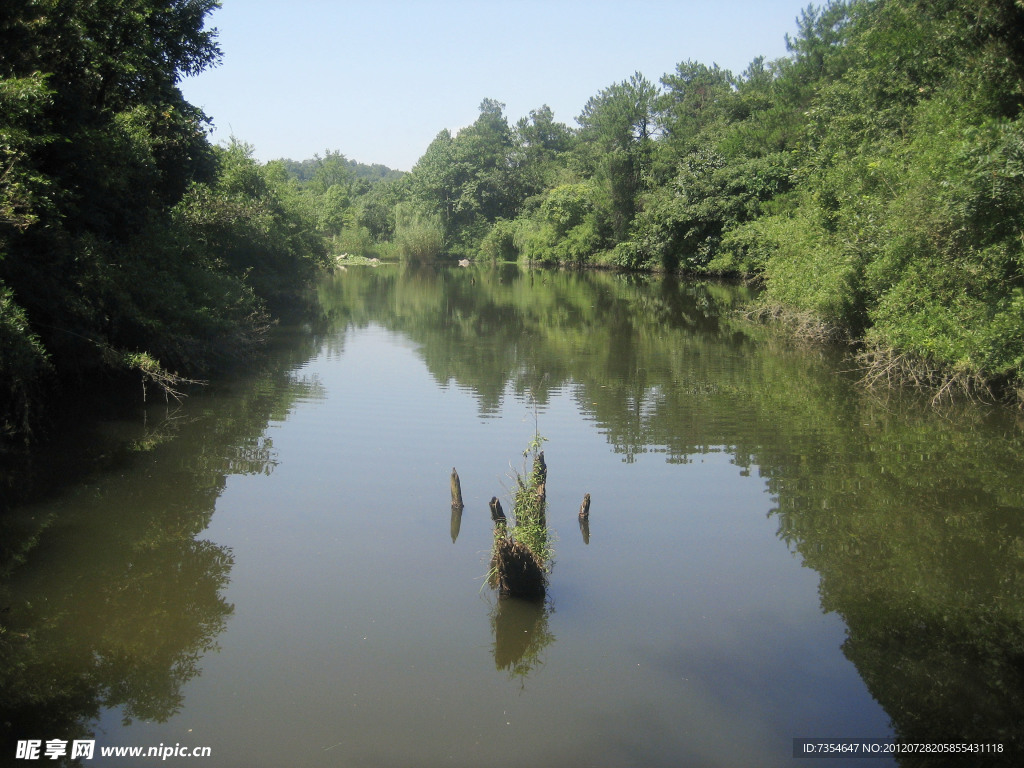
[509, 327]
[914, 520]
[585, 529]
[456, 522]
[110, 595]
[521, 635]
[113, 619]
[915, 525]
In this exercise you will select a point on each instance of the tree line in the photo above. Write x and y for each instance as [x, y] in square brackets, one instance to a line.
[872, 180]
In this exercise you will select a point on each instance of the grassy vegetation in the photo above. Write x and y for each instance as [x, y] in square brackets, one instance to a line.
[522, 555]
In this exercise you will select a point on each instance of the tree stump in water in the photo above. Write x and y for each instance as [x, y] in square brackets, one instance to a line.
[518, 564]
[584, 518]
[456, 491]
[516, 571]
[585, 507]
[497, 514]
[530, 503]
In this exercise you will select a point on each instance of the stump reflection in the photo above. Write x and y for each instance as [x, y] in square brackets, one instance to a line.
[521, 634]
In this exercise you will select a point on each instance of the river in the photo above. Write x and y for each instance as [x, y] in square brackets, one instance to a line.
[271, 569]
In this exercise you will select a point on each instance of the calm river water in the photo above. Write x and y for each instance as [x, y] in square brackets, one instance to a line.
[272, 570]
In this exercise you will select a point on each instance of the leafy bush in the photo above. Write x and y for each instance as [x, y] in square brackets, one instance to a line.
[500, 243]
[683, 221]
[810, 273]
[564, 229]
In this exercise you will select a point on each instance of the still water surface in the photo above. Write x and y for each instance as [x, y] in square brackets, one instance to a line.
[272, 568]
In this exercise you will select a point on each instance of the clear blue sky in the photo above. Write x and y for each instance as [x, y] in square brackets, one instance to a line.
[378, 79]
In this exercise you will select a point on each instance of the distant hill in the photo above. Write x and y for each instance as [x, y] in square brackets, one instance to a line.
[303, 170]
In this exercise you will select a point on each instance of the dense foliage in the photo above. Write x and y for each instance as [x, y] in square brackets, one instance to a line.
[129, 246]
[873, 179]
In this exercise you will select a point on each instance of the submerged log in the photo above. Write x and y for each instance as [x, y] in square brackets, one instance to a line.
[456, 491]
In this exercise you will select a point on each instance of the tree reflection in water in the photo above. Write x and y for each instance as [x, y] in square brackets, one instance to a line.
[913, 519]
[110, 595]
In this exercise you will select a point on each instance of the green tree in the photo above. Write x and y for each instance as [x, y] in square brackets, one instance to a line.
[22, 101]
[540, 144]
[467, 178]
[245, 221]
[375, 210]
[909, 192]
[695, 96]
[617, 129]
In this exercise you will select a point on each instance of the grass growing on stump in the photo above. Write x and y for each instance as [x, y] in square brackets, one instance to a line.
[522, 554]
